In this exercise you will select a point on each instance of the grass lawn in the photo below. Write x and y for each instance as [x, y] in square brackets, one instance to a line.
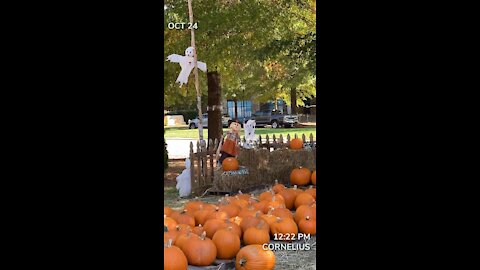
[186, 133]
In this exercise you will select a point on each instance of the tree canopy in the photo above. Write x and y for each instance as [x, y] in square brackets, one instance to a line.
[261, 48]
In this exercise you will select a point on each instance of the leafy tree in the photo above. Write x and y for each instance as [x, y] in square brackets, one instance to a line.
[261, 48]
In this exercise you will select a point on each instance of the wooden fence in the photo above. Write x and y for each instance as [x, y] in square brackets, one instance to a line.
[204, 160]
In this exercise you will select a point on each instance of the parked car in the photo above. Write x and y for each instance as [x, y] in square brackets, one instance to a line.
[195, 122]
[274, 118]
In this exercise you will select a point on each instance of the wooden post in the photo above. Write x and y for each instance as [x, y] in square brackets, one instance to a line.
[195, 73]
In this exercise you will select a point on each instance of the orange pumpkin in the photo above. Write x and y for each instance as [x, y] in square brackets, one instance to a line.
[296, 143]
[250, 221]
[193, 206]
[184, 218]
[230, 164]
[284, 226]
[248, 211]
[243, 196]
[174, 259]
[308, 225]
[303, 199]
[217, 214]
[184, 238]
[169, 222]
[312, 191]
[274, 203]
[256, 235]
[198, 230]
[260, 206]
[201, 215]
[183, 228]
[282, 212]
[269, 217]
[305, 210]
[300, 176]
[227, 243]
[231, 209]
[236, 220]
[167, 211]
[235, 227]
[278, 187]
[267, 195]
[254, 257]
[212, 226]
[200, 251]
[289, 195]
[313, 178]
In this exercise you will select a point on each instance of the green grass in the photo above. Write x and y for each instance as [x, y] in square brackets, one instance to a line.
[193, 133]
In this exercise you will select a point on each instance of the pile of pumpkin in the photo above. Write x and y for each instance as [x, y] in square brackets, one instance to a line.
[202, 232]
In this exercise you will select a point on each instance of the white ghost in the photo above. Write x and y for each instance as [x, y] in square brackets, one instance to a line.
[249, 129]
[187, 64]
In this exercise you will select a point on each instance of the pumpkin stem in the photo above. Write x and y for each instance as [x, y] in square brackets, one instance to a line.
[164, 216]
[270, 210]
[165, 228]
[204, 234]
[307, 217]
[260, 224]
[242, 261]
[240, 192]
[169, 242]
[294, 186]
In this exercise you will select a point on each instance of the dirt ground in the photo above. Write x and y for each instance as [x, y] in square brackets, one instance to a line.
[285, 259]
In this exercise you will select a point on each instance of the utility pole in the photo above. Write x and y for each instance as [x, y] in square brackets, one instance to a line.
[195, 73]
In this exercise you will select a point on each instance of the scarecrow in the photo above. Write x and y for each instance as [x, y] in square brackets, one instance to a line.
[229, 145]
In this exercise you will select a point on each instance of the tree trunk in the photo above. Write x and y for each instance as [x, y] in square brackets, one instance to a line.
[236, 111]
[293, 100]
[214, 106]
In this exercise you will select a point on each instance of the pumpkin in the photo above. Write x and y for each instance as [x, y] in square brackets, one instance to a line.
[312, 191]
[269, 217]
[230, 164]
[303, 199]
[200, 251]
[254, 257]
[248, 211]
[236, 220]
[198, 230]
[201, 215]
[282, 212]
[193, 206]
[278, 187]
[169, 235]
[212, 226]
[169, 222]
[227, 243]
[289, 195]
[274, 203]
[183, 228]
[239, 202]
[250, 221]
[260, 206]
[267, 195]
[305, 210]
[232, 210]
[174, 259]
[184, 238]
[284, 226]
[235, 227]
[308, 225]
[184, 218]
[300, 176]
[256, 235]
[217, 214]
[167, 211]
[313, 178]
[243, 196]
[296, 143]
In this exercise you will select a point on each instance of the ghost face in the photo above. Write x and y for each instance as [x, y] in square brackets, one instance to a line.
[235, 127]
[189, 52]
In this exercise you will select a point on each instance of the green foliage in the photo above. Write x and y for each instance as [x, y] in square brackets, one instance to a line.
[261, 48]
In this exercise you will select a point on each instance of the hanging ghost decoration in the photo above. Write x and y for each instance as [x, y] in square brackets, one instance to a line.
[249, 129]
[187, 64]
